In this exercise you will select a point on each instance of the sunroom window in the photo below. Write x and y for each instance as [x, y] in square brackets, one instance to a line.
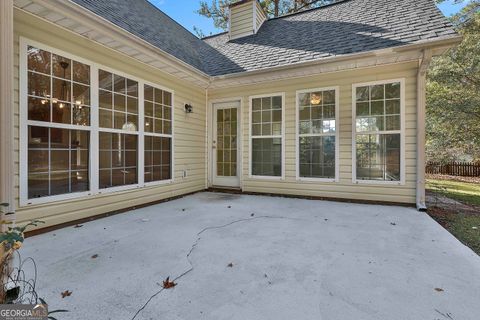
[118, 137]
[317, 129]
[58, 99]
[266, 139]
[378, 133]
[158, 134]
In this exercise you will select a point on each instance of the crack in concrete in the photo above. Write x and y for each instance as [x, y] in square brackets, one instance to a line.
[195, 244]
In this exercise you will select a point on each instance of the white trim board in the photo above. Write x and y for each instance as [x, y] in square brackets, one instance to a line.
[282, 136]
[336, 135]
[401, 132]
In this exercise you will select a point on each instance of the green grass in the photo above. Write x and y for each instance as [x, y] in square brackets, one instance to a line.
[468, 193]
[462, 227]
[465, 227]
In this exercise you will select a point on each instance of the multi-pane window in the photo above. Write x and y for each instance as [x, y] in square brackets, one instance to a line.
[158, 134]
[118, 101]
[378, 131]
[58, 161]
[118, 159]
[158, 110]
[118, 121]
[61, 122]
[58, 103]
[317, 129]
[266, 136]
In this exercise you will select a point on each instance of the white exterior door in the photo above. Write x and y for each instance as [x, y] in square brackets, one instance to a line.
[226, 155]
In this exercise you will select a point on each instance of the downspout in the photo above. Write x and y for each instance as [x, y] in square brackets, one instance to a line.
[207, 149]
[6, 109]
[421, 101]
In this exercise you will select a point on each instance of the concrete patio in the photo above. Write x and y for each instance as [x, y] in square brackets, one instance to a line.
[256, 257]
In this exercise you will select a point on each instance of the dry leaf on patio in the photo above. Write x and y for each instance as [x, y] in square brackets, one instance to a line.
[439, 289]
[66, 293]
[167, 284]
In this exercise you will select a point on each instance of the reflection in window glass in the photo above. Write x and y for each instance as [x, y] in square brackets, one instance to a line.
[378, 135]
[227, 142]
[58, 161]
[118, 102]
[158, 158]
[118, 159]
[266, 140]
[158, 134]
[317, 129]
[58, 89]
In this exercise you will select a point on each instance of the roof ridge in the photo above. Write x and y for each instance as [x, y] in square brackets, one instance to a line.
[309, 10]
[214, 35]
[284, 16]
[175, 21]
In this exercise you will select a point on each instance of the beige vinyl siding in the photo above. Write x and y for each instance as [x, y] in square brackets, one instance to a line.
[241, 22]
[260, 15]
[344, 189]
[189, 130]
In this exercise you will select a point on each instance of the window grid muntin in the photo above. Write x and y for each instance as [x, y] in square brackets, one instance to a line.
[327, 104]
[227, 142]
[155, 135]
[94, 67]
[130, 119]
[69, 104]
[152, 120]
[267, 104]
[123, 155]
[54, 148]
[380, 135]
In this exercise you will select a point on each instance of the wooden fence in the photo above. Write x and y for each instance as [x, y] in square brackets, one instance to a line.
[463, 169]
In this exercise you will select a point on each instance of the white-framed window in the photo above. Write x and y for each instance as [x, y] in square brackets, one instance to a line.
[267, 130]
[317, 134]
[84, 128]
[379, 132]
[158, 124]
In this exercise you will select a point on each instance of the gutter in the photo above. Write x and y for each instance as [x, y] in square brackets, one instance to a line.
[75, 11]
[421, 100]
[445, 43]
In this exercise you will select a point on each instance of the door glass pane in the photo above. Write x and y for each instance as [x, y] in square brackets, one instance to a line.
[227, 134]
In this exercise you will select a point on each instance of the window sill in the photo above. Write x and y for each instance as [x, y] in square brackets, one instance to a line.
[375, 182]
[316, 180]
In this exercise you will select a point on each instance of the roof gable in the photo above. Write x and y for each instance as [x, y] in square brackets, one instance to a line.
[346, 27]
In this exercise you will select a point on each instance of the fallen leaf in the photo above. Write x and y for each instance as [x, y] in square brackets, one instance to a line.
[439, 289]
[230, 265]
[78, 226]
[167, 284]
[95, 256]
[66, 293]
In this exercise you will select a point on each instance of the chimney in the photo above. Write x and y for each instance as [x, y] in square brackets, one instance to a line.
[246, 18]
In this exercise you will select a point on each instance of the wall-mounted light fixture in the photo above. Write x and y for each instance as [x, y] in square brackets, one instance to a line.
[188, 108]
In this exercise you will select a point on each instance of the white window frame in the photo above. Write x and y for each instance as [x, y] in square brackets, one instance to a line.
[337, 135]
[401, 132]
[141, 123]
[93, 129]
[250, 137]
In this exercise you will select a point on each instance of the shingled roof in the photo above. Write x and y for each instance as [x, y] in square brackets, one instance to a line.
[346, 27]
